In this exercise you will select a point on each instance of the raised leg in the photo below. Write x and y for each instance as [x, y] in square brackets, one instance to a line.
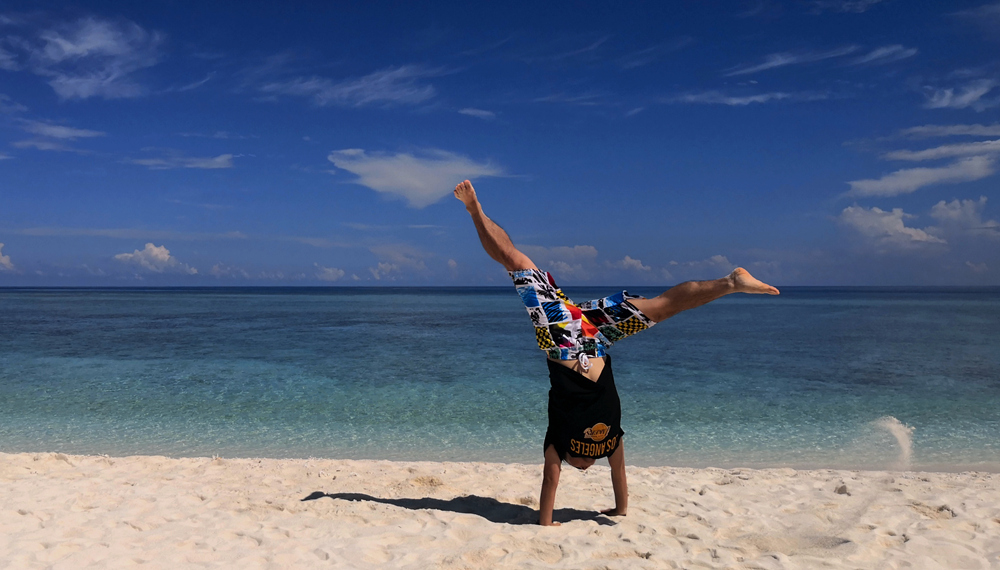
[495, 241]
[696, 293]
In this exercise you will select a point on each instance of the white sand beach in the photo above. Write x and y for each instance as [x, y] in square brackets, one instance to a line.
[64, 511]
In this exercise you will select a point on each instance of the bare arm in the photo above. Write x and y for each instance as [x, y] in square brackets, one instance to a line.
[550, 480]
[619, 482]
[495, 241]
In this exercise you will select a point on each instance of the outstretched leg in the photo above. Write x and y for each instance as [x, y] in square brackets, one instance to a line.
[495, 241]
[696, 293]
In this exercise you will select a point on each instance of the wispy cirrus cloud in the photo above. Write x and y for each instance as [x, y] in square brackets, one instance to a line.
[972, 95]
[54, 131]
[646, 56]
[885, 55]
[402, 85]
[720, 98]
[219, 135]
[986, 15]
[932, 131]
[908, 180]
[561, 49]
[8, 61]
[421, 178]
[89, 57]
[50, 136]
[171, 162]
[10, 106]
[979, 148]
[783, 59]
[587, 99]
[478, 113]
[843, 6]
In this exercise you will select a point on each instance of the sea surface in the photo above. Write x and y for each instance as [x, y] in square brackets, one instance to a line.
[869, 378]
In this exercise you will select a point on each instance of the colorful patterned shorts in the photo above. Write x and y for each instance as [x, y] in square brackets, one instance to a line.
[563, 329]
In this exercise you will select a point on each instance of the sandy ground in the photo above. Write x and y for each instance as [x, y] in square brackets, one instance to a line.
[59, 511]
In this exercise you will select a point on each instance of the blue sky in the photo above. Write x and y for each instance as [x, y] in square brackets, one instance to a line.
[823, 142]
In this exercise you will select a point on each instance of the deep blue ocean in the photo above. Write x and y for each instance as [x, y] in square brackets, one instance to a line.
[811, 378]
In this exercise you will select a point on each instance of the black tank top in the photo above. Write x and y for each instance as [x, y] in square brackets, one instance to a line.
[584, 416]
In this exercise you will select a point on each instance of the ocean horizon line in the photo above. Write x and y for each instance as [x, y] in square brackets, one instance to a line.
[505, 287]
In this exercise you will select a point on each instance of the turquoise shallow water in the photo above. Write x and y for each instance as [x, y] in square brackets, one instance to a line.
[799, 380]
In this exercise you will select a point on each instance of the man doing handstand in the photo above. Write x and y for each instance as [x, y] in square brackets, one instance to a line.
[584, 409]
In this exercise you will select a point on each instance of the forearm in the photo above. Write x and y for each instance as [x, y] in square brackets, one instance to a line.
[547, 501]
[618, 480]
[550, 480]
[620, 484]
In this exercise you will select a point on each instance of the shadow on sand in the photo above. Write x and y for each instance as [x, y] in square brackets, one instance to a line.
[486, 507]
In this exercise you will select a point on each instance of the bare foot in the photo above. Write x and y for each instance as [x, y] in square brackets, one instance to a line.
[613, 512]
[746, 283]
[466, 193]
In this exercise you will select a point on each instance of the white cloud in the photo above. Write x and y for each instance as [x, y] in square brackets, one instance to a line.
[964, 216]
[477, 113]
[222, 135]
[10, 106]
[5, 156]
[422, 179]
[977, 267]
[984, 14]
[57, 131]
[209, 163]
[979, 148]
[886, 229]
[196, 84]
[8, 61]
[93, 57]
[452, 263]
[930, 131]
[910, 179]
[5, 263]
[384, 270]
[969, 95]
[223, 270]
[649, 55]
[885, 54]
[43, 144]
[401, 255]
[590, 99]
[328, 273]
[846, 6]
[719, 262]
[630, 264]
[579, 261]
[719, 98]
[782, 59]
[156, 259]
[395, 85]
